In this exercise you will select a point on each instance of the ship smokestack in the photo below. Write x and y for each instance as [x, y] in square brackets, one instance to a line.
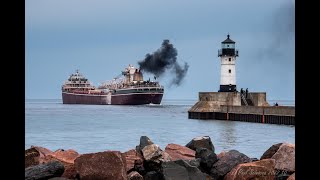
[162, 60]
[137, 76]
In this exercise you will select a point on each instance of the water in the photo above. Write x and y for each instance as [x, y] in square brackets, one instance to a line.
[95, 128]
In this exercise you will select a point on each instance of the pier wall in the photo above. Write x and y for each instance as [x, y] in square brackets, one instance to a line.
[227, 106]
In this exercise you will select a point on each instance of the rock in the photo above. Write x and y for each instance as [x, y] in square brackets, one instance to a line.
[144, 141]
[101, 165]
[263, 170]
[132, 157]
[134, 176]
[151, 152]
[207, 158]
[67, 156]
[227, 162]
[201, 142]
[153, 157]
[153, 175]
[37, 155]
[285, 157]
[44, 154]
[292, 177]
[271, 151]
[31, 157]
[44, 171]
[177, 152]
[180, 169]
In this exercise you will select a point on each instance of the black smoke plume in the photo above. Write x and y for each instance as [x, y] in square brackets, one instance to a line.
[162, 60]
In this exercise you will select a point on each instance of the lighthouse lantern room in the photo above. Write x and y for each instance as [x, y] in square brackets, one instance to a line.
[228, 55]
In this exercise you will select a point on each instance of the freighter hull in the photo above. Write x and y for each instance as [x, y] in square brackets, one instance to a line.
[136, 98]
[73, 98]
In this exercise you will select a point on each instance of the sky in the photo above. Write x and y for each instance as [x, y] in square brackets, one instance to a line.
[102, 37]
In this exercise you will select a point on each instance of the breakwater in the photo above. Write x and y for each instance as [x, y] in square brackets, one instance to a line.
[195, 160]
[233, 106]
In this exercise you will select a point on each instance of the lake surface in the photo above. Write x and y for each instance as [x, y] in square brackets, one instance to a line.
[95, 128]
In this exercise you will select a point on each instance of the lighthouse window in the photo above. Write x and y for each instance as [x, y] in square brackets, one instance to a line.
[229, 70]
[229, 59]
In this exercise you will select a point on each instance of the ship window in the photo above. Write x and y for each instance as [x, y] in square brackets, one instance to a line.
[229, 70]
[229, 59]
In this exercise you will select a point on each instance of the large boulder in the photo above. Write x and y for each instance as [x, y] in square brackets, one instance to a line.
[67, 157]
[152, 152]
[201, 142]
[177, 152]
[285, 157]
[227, 162]
[134, 176]
[180, 169]
[271, 151]
[207, 158]
[37, 155]
[263, 170]
[144, 141]
[101, 165]
[44, 171]
[153, 157]
[132, 158]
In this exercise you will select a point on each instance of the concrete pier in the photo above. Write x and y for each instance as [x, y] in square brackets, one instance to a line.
[230, 106]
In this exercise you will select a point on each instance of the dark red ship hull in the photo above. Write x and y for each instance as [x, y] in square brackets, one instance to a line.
[118, 99]
[73, 98]
[136, 98]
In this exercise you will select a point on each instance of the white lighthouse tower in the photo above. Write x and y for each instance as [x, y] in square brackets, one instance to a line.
[228, 55]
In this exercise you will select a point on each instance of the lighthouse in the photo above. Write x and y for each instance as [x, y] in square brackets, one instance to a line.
[228, 55]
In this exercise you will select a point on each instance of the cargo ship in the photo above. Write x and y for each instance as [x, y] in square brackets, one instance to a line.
[128, 88]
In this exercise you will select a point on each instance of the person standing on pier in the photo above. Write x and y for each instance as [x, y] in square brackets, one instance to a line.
[247, 93]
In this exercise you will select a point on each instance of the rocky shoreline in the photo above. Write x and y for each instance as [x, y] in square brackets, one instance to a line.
[195, 161]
